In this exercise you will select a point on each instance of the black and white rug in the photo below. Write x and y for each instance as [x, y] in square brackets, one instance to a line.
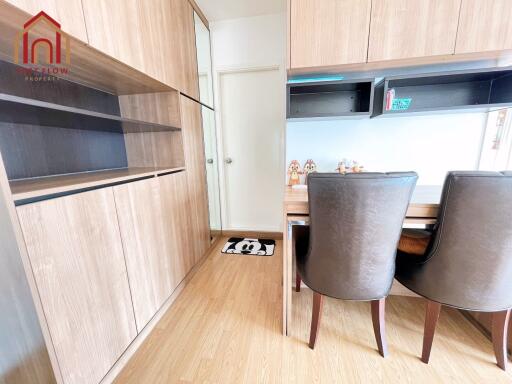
[246, 246]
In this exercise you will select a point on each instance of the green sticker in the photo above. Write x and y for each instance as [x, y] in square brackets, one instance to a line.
[401, 104]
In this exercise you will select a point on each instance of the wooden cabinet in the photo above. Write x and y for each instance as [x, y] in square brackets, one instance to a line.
[414, 28]
[176, 207]
[484, 26]
[195, 163]
[156, 37]
[75, 251]
[148, 248]
[68, 13]
[328, 32]
[184, 28]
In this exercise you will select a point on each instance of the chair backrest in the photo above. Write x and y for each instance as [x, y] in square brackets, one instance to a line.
[469, 264]
[355, 225]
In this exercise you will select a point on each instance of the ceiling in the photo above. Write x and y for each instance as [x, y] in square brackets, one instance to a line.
[215, 10]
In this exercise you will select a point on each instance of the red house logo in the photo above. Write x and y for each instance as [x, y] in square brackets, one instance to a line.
[30, 49]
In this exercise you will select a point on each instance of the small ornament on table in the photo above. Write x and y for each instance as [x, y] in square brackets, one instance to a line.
[356, 168]
[309, 167]
[342, 167]
[294, 172]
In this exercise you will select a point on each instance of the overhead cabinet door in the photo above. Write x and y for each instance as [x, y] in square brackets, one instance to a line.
[484, 26]
[328, 32]
[414, 28]
[75, 251]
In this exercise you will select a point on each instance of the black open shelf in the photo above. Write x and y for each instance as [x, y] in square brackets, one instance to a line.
[21, 110]
[324, 99]
[468, 90]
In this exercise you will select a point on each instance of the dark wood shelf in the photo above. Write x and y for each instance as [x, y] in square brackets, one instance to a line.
[22, 110]
[446, 92]
[26, 190]
[330, 99]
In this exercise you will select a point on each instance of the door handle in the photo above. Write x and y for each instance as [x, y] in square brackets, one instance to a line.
[229, 160]
[209, 161]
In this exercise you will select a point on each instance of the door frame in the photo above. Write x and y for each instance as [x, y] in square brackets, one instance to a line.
[219, 72]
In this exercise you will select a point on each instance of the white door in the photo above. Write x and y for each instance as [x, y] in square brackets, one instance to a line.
[252, 112]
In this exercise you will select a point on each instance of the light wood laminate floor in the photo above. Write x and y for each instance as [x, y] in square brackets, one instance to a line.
[225, 327]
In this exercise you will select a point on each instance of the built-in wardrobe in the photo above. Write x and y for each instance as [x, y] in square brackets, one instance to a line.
[104, 202]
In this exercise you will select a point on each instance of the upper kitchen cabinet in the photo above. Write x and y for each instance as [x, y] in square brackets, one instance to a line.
[484, 26]
[415, 28]
[68, 13]
[204, 62]
[328, 32]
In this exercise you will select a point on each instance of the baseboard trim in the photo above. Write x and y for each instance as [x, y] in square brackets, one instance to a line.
[253, 234]
[146, 331]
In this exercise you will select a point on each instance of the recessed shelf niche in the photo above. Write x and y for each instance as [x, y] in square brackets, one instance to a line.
[324, 99]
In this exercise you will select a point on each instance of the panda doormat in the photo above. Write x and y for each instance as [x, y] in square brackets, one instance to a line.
[245, 246]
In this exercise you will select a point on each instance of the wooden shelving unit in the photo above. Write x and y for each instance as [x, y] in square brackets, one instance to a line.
[22, 110]
[26, 190]
[329, 99]
[455, 91]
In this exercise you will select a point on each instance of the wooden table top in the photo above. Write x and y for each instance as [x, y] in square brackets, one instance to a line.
[424, 201]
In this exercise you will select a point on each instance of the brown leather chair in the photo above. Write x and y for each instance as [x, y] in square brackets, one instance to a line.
[349, 250]
[468, 262]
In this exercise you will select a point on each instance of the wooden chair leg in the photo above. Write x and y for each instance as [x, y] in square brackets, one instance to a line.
[499, 337]
[315, 318]
[298, 280]
[431, 317]
[379, 325]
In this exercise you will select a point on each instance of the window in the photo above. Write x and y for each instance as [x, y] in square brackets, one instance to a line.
[497, 144]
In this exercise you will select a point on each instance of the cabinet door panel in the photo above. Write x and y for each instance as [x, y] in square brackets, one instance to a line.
[484, 26]
[195, 163]
[68, 13]
[414, 28]
[76, 254]
[176, 205]
[328, 32]
[146, 246]
[189, 79]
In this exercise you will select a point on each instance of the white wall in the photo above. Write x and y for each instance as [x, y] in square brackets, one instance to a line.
[429, 145]
[248, 43]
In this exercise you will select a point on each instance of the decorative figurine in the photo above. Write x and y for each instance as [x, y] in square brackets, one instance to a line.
[341, 167]
[294, 173]
[309, 167]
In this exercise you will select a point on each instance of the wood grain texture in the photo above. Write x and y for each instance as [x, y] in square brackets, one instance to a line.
[147, 247]
[77, 258]
[24, 357]
[184, 28]
[484, 26]
[415, 28]
[153, 149]
[36, 187]
[225, 328]
[89, 66]
[68, 13]
[195, 164]
[328, 32]
[160, 108]
[178, 223]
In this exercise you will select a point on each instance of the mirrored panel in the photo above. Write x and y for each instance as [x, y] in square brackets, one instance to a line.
[212, 169]
[204, 62]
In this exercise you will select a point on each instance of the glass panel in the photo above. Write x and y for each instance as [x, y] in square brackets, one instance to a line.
[212, 170]
[204, 62]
